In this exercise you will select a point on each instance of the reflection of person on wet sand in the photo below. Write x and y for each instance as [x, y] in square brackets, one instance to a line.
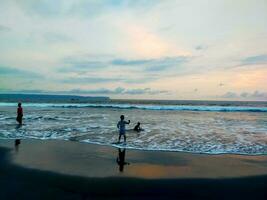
[121, 159]
[17, 143]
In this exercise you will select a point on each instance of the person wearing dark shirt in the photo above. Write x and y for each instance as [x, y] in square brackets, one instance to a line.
[19, 114]
[137, 127]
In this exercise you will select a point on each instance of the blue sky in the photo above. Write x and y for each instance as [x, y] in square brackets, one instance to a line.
[173, 49]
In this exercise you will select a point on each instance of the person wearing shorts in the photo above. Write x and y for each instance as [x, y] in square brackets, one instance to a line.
[121, 126]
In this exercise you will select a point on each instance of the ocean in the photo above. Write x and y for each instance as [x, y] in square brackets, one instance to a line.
[212, 127]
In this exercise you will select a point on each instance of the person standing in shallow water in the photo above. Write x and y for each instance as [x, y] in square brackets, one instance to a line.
[121, 126]
[19, 114]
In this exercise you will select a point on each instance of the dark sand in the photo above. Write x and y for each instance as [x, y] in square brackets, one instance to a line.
[70, 170]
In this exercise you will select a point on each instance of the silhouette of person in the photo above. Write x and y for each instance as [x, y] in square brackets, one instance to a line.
[121, 126]
[137, 127]
[19, 114]
[121, 159]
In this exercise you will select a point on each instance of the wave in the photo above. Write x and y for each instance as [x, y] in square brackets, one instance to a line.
[147, 107]
[235, 150]
[216, 152]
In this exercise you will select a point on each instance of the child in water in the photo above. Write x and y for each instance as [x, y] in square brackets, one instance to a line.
[19, 114]
[137, 127]
[121, 126]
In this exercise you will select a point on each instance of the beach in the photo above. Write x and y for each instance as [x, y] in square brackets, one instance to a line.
[53, 169]
[133, 99]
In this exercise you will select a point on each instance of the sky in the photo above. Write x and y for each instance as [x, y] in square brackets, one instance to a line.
[135, 49]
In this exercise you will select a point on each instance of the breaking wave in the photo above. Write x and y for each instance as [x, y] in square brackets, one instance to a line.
[148, 107]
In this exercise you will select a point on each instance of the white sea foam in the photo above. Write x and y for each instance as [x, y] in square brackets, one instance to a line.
[202, 132]
[145, 107]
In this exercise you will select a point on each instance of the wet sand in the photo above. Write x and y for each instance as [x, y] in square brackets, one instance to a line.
[71, 170]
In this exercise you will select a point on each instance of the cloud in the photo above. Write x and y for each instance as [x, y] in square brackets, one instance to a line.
[82, 66]
[84, 63]
[120, 91]
[163, 61]
[246, 95]
[94, 69]
[230, 95]
[100, 91]
[145, 91]
[140, 80]
[4, 28]
[13, 72]
[257, 94]
[23, 91]
[98, 79]
[167, 62]
[81, 8]
[201, 47]
[90, 80]
[130, 62]
[56, 38]
[254, 60]
[46, 8]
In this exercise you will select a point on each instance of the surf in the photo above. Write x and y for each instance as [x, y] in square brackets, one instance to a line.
[198, 108]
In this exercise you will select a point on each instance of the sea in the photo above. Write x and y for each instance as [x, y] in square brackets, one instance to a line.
[210, 127]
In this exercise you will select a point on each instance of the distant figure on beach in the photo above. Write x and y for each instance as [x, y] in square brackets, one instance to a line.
[137, 127]
[19, 114]
[121, 159]
[121, 126]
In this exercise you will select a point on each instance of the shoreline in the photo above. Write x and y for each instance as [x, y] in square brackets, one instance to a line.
[71, 170]
[135, 148]
[162, 150]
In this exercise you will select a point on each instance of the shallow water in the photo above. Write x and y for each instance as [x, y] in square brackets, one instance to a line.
[200, 129]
